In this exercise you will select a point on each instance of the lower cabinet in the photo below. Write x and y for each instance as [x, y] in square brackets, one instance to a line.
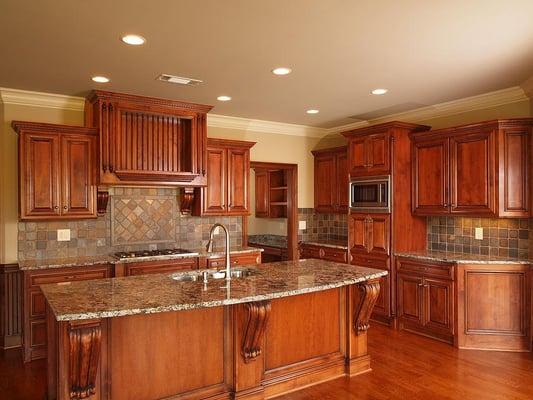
[34, 324]
[426, 294]
[271, 253]
[335, 254]
[235, 260]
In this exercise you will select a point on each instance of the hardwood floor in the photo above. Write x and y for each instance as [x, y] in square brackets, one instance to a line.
[405, 366]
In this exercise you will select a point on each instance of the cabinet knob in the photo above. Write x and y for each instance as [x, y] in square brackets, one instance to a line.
[65, 207]
[56, 207]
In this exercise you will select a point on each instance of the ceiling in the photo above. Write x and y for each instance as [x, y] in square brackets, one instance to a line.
[424, 52]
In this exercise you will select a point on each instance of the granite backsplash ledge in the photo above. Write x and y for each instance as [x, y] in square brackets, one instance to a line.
[504, 237]
[136, 219]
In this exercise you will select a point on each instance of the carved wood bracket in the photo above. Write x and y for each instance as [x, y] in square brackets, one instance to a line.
[186, 201]
[84, 340]
[254, 329]
[102, 198]
[368, 294]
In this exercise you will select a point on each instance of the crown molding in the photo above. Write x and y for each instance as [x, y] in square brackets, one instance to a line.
[41, 99]
[487, 100]
[258, 125]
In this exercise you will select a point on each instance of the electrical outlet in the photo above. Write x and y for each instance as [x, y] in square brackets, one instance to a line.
[479, 233]
[302, 225]
[63, 235]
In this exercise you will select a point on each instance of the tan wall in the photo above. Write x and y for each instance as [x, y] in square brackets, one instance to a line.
[9, 175]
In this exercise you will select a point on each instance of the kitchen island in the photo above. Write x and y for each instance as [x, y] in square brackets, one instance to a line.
[283, 326]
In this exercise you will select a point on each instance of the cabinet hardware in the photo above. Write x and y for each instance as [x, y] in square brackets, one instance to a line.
[65, 207]
[56, 207]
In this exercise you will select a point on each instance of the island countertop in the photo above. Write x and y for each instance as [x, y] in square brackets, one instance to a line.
[147, 294]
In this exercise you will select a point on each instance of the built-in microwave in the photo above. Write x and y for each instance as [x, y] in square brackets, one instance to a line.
[370, 194]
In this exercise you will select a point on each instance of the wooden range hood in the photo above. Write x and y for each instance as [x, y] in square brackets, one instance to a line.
[147, 141]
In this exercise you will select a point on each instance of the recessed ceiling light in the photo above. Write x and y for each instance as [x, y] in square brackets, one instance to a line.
[100, 79]
[281, 71]
[223, 98]
[379, 91]
[312, 111]
[134, 40]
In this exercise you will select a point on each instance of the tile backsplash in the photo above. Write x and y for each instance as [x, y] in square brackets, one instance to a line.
[501, 237]
[322, 226]
[135, 219]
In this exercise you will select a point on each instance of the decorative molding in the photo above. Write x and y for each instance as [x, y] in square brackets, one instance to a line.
[84, 358]
[368, 294]
[487, 100]
[258, 125]
[102, 198]
[258, 313]
[187, 200]
[41, 99]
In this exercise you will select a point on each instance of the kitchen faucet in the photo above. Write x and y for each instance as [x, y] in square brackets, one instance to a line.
[209, 246]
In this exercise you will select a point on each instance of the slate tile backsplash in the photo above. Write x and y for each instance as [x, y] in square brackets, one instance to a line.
[322, 226]
[158, 206]
[501, 237]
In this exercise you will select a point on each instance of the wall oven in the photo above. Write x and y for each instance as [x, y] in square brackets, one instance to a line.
[370, 194]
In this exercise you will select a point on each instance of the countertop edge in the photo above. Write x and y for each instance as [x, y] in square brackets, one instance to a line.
[458, 260]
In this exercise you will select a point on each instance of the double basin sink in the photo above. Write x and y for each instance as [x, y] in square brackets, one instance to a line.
[213, 274]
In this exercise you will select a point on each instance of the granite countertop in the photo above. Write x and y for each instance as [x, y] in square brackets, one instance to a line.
[147, 294]
[337, 244]
[110, 259]
[459, 258]
[277, 241]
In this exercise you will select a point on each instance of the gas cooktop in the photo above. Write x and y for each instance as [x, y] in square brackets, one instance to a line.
[154, 253]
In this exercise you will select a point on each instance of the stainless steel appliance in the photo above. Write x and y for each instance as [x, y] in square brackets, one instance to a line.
[155, 253]
[372, 194]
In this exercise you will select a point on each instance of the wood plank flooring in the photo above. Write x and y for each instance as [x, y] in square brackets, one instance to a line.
[405, 366]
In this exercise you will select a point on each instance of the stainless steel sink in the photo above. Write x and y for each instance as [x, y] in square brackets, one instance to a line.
[237, 273]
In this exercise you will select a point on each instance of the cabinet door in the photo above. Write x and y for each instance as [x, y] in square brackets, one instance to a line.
[238, 175]
[438, 305]
[78, 193]
[430, 178]
[377, 148]
[410, 299]
[472, 166]
[39, 175]
[378, 233]
[342, 183]
[262, 193]
[358, 234]
[514, 191]
[358, 156]
[325, 190]
[215, 193]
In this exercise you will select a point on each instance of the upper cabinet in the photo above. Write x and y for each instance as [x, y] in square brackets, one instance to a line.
[369, 148]
[331, 180]
[146, 140]
[56, 171]
[478, 170]
[271, 193]
[228, 175]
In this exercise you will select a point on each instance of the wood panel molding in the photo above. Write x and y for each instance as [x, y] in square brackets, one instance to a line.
[84, 358]
[368, 294]
[10, 306]
[254, 329]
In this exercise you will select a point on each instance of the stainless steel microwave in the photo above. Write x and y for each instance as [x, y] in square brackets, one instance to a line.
[370, 194]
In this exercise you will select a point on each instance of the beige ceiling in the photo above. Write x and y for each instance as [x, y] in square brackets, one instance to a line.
[423, 51]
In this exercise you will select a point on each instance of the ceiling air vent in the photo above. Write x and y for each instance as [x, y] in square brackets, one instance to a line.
[180, 80]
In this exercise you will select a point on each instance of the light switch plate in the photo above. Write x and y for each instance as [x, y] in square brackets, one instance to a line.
[479, 234]
[302, 225]
[63, 235]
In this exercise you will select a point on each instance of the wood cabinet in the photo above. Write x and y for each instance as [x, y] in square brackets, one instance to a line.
[34, 318]
[56, 171]
[271, 253]
[323, 252]
[331, 180]
[271, 193]
[228, 175]
[160, 267]
[237, 259]
[478, 170]
[10, 306]
[426, 296]
[146, 140]
[370, 234]
[370, 154]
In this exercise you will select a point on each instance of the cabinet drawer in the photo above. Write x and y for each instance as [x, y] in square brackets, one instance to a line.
[244, 259]
[160, 267]
[307, 251]
[331, 254]
[42, 278]
[37, 304]
[371, 262]
[431, 269]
